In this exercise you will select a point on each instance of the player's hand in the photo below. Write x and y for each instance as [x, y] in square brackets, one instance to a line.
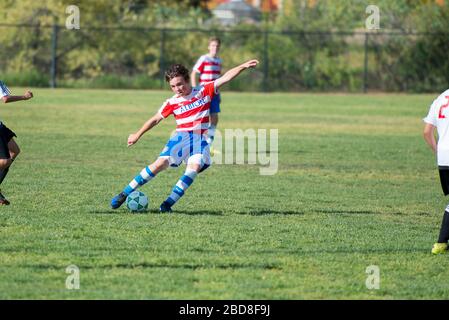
[132, 139]
[250, 64]
[28, 95]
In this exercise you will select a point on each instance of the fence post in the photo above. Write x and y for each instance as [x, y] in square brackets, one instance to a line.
[365, 68]
[265, 61]
[161, 58]
[54, 58]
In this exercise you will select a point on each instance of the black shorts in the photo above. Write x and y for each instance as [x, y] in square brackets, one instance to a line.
[5, 136]
[444, 179]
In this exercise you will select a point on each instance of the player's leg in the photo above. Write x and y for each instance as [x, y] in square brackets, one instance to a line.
[169, 156]
[4, 165]
[14, 151]
[197, 162]
[441, 245]
[180, 187]
[214, 111]
[146, 175]
[212, 127]
[139, 180]
[6, 155]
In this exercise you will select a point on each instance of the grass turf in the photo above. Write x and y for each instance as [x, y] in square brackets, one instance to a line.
[356, 186]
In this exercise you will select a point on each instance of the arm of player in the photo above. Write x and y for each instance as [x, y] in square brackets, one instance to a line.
[153, 121]
[429, 136]
[28, 95]
[193, 78]
[234, 72]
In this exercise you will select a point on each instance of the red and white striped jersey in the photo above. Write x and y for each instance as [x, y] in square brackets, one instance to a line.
[208, 68]
[191, 112]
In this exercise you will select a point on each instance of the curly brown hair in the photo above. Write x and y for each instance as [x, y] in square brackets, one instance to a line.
[177, 70]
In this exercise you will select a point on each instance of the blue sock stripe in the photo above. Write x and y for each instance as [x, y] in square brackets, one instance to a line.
[128, 190]
[187, 180]
[170, 201]
[178, 191]
[140, 180]
[149, 172]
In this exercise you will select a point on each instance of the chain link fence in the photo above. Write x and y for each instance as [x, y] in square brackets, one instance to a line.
[124, 57]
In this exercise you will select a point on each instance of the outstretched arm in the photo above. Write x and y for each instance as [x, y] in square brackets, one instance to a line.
[429, 136]
[154, 120]
[28, 95]
[234, 72]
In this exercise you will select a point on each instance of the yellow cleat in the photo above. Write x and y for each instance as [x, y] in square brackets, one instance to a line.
[439, 248]
[214, 152]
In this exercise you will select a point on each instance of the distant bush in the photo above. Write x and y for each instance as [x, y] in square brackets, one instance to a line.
[26, 79]
[113, 81]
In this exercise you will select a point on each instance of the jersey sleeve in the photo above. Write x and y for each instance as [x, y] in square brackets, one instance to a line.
[4, 91]
[209, 89]
[431, 117]
[199, 65]
[166, 109]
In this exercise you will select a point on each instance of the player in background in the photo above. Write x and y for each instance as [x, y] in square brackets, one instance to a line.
[438, 118]
[9, 150]
[190, 107]
[209, 67]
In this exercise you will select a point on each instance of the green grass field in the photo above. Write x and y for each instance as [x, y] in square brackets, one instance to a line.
[356, 186]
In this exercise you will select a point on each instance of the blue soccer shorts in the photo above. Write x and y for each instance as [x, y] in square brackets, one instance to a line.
[215, 104]
[187, 146]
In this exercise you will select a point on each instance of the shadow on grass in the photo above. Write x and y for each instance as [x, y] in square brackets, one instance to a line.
[150, 265]
[156, 211]
[122, 211]
[198, 212]
[201, 212]
[251, 212]
[398, 213]
[263, 212]
[346, 211]
[107, 211]
[350, 250]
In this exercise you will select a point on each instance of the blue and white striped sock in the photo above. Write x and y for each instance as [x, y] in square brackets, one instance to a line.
[143, 177]
[181, 186]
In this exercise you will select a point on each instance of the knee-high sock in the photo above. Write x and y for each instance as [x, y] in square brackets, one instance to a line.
[181, 186]
[143, 177]
[444, 231]
[4, 172]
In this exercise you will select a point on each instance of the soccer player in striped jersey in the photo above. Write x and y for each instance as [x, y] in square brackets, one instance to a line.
[208, 67]
[190, 107]
[9, 150]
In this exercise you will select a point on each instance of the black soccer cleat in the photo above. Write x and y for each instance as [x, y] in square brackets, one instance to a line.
[165, 207]
[3, 200]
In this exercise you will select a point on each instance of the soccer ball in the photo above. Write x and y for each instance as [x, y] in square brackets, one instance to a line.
[137, 202]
